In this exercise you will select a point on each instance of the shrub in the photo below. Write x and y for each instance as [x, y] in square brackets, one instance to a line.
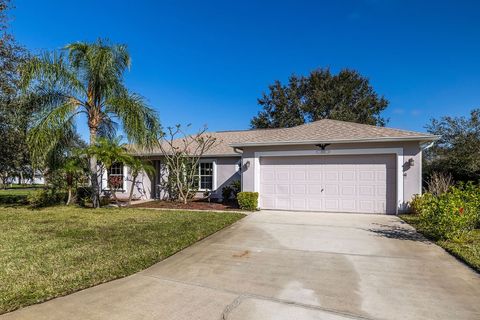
[84, 195]
[46, 197]
[227, 193]
[231, 191]
[248, 200]
[17, 199]
[416, 203]
[236, 188]
[105, 201]
[450, 215]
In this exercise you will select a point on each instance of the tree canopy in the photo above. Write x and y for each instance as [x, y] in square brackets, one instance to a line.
[14, 115]
[458, 150]
[346, 96]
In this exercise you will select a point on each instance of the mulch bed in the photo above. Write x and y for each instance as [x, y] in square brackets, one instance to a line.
[194, 205]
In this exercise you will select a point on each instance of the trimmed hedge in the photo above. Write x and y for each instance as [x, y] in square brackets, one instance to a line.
[248, 200]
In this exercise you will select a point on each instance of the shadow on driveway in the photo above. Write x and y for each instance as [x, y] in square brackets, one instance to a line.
[397, 232]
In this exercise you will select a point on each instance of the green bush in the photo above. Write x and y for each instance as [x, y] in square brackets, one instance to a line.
[236, 187]
[231, 191]
[46, 197]
[416, 203]
[450, 215]
[84, 195]
[248, 200]
[227, 192]
[16, 199]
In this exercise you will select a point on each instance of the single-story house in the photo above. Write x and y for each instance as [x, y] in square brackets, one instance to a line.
[326, 165]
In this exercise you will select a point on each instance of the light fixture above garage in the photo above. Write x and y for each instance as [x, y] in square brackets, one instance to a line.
[322, 146]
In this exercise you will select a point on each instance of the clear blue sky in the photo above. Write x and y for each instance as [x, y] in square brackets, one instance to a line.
[207, 62]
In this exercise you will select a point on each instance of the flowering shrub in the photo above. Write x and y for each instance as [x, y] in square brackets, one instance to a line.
[450, 215]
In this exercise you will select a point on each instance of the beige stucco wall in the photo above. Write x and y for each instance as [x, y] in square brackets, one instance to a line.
[412, 176]
[226, 173]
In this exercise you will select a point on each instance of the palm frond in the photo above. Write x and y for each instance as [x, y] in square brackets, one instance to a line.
[51, 127]
[50, 70]
[102, 66]
[107, 128]
[140, 122]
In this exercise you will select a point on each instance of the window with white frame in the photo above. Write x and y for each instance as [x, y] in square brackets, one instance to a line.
[205, 175]
[115, 175]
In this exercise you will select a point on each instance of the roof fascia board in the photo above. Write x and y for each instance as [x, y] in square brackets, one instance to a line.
[303, 142]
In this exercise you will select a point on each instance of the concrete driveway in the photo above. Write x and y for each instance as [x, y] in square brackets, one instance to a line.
[288, 265]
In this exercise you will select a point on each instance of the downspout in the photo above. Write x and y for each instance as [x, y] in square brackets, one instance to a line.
[240, 152]
[426, 146]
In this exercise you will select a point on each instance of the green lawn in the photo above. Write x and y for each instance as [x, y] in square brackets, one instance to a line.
[55, 251]
[467, 250]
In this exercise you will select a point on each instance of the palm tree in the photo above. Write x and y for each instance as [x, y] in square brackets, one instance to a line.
[74, 169]
[108, 152]
[86, 78]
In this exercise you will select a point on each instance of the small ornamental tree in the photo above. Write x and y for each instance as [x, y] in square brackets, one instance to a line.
[137, 166]
[182, 152]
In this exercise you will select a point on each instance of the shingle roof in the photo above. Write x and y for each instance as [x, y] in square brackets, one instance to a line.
[321, 131]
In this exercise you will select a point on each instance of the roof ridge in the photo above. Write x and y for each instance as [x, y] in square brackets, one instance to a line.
[368, 125]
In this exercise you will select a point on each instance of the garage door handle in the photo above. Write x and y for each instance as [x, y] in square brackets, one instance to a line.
[321, 190]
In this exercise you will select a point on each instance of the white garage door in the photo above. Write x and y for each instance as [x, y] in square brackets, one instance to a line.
[360, 183]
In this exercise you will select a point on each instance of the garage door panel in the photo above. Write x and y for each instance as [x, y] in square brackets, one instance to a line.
[282, 175]
[299, 175]
[347, 205]
[268, 175]
[332, 204]
[366, 205]
[268, 201]
[299, 204]
[366, 191]
[381, 190]
[365, 175]
[267, 189]
[299, 189]
[314, 204]
[347, 191]
[329, 183]
[314, 176]
[282, 189]
[314, 189]
[331, 190]
[282, 203]
[331, 176]
[348, 175]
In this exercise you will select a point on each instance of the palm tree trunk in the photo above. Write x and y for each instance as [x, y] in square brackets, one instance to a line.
[69, 199]
[94, 171]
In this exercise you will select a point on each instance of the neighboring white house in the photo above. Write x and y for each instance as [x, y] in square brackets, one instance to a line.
[37, 179]
[326, 165]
